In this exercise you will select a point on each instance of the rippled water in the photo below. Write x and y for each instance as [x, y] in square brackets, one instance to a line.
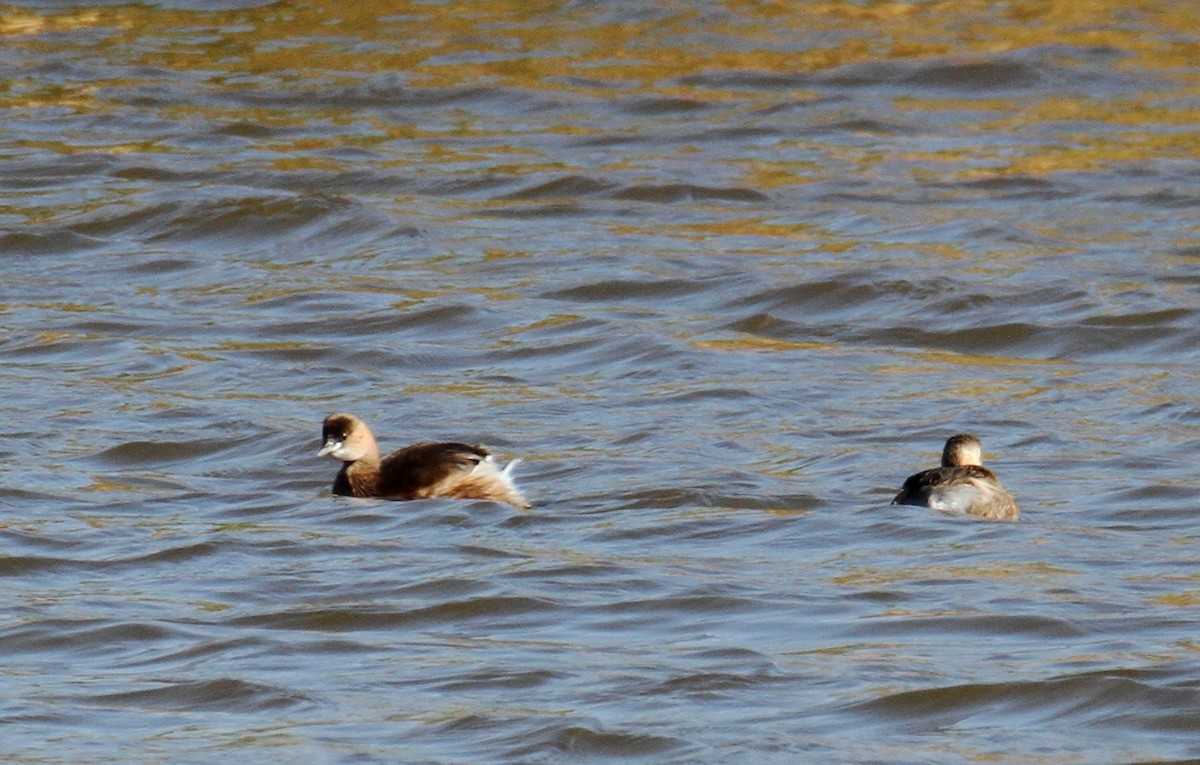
[722, 274]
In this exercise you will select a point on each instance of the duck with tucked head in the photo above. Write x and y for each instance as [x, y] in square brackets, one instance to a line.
[421, 471]
[961, 485]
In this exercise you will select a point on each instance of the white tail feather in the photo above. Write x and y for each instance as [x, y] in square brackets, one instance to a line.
[488, 463]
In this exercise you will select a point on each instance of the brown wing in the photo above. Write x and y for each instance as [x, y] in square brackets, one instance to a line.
[414, 471]
[918, 487]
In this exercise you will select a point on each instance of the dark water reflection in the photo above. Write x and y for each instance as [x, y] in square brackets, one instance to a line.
[722, 274]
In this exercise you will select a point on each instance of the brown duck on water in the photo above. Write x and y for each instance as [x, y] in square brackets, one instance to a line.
[421, 471]
[961, 485]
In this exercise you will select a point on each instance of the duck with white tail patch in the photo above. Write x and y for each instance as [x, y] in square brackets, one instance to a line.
[962, 485]
[422, 471]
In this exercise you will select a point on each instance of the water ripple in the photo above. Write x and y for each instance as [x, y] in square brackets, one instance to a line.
[722, 276]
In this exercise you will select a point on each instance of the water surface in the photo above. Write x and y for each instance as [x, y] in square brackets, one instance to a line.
[722, 274]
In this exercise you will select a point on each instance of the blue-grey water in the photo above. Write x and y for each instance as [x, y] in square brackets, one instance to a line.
[722, 274]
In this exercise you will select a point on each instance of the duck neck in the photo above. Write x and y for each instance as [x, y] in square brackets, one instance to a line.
[362, 475]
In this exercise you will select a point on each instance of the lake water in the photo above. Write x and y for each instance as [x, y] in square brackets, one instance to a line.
[721, 274]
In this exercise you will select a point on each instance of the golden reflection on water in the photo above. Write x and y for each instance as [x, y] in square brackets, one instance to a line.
[520, 44]
[1186, 599]
[892, 575]
[604, 54]
[744, 343]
